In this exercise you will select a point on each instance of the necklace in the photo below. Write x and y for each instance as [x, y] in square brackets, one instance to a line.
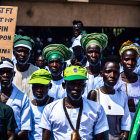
[75, 134]
[106, 95]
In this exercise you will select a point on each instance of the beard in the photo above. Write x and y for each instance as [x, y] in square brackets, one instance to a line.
[41, 99]
[26, 62]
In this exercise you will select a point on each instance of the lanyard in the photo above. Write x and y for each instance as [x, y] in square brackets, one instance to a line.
[79, 115]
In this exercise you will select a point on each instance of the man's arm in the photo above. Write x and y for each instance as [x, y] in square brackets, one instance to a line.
[22, 135]
[46, 134]
[124, 135]
[11, 135]
[100, 136]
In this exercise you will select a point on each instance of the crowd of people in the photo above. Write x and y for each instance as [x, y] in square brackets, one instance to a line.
[70, 93]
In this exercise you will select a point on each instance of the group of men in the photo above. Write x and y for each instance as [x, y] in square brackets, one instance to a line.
[72, 97]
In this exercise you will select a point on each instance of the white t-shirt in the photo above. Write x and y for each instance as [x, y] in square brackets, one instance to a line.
[76, 42]
[92, 83]
[93, 120]
[116, 105]
[57, 91]
[133, 91]
[36, 133]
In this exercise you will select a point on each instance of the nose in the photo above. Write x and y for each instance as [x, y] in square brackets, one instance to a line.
[112, 75]
[76, 87]
[39, 90]
[93, 54]
[23, 54]
[5, 74]
[54, 64]
[130, 62]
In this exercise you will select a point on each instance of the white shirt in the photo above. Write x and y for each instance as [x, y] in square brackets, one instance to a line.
[21, 107]
[21, 80]
[133, 91]
[93, 120]
[76, 42]
[57, 91]
[92, 83]
[116, 105]
[36, 133]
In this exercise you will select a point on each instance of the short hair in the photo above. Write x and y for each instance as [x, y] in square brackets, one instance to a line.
[111, 58]
[78, 22]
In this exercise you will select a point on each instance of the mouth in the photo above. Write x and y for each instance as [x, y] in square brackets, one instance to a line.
[130, 67]
[22, 59]
[55, 70]
[76, 33]
[39, 95]
[74, 93]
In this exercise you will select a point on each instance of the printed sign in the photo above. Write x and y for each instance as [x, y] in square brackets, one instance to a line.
[8, 16]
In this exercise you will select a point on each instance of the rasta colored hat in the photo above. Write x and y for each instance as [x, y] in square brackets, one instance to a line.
[99, 39]
[40, 76]
[75, 73]
[56, 51]
[23, 41]
[127, 46]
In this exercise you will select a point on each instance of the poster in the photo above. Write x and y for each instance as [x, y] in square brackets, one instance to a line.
[8, 17]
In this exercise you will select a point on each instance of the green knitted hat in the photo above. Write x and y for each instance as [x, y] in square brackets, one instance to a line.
[23, 41]
[99, 39]
[57, 51]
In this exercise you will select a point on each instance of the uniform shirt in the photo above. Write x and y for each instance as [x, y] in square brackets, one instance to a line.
[21, 107]
[93, 120]
[21, 80]
[7, 120]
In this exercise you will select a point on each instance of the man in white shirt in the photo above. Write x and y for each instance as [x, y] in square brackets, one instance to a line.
[74, 116]
[16, 99]
[22, 52]
[77, 30]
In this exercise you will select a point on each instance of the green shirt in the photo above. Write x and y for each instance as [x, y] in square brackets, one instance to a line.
[7, 120]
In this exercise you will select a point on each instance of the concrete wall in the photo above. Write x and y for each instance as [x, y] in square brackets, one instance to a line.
[62, 14]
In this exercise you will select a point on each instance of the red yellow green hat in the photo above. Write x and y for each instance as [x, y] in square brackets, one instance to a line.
[75, 73]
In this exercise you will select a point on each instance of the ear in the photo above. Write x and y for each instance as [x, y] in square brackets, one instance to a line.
[64, 85]
[121, 60]
[50, 85]
[101, 73]
[14, 52]
[14, 74]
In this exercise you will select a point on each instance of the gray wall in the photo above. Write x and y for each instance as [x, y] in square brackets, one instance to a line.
[62, 14]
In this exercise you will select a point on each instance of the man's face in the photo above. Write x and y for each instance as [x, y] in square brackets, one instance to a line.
[40, 62]
[77, 29]
[111, 73]
[22, 55]
[78, 51]
[40, 91]
[75, 89]
[55, 66]
[93, 54]
[6, 76]
[129, 60]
